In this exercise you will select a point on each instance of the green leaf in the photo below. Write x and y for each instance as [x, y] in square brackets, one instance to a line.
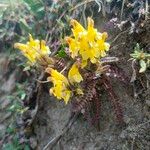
[41, 9]
[62, 54]
[12, 108]
[143, 66]
[137, 47]
[23, 95]
[134, 55]
[16, 106]
[27, 68]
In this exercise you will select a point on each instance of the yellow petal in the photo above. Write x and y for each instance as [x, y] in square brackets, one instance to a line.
[91, 31]
[51, 91]
[93, 60]
[67, 96]
[30, 37]
[90, 23]
[104, 36]
[73, 46]
[77, 26]
[107, 46]
[74, 76]
[44, 49]
[20, 46]
[77, 78]
[84, 63]
[58, 76]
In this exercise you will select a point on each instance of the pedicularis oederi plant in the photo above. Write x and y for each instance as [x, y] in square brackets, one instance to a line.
[83, 74]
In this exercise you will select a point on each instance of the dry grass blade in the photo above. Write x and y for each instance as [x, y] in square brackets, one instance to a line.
[123, 2]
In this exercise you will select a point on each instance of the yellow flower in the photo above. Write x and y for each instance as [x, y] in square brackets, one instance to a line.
[102, 45]
[91, 31]
[88, 44]
[60, 85]
[77, 28]
[74, 76]
[33, 49]
[74, 49]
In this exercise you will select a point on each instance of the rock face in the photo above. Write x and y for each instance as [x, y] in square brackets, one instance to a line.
[53, 115]
[7, 86]
[48, 116]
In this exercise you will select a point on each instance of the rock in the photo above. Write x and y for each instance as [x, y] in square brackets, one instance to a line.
[148, 102]
[5, 102]
[33, 143]
[2, 129]
[3, 64]
[127, 119]
[9, 85]
[6, 116]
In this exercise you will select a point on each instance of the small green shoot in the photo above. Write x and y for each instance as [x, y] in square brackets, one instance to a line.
[141, 57]
[62, 53]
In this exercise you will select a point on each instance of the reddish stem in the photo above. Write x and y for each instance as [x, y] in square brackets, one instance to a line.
[114, 99]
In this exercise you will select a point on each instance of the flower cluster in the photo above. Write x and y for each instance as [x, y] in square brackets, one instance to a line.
[34, 50]
[60, 85]
[88, 44]
[85, 46]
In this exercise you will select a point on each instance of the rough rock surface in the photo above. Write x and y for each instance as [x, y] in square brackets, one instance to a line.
[53, 115]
